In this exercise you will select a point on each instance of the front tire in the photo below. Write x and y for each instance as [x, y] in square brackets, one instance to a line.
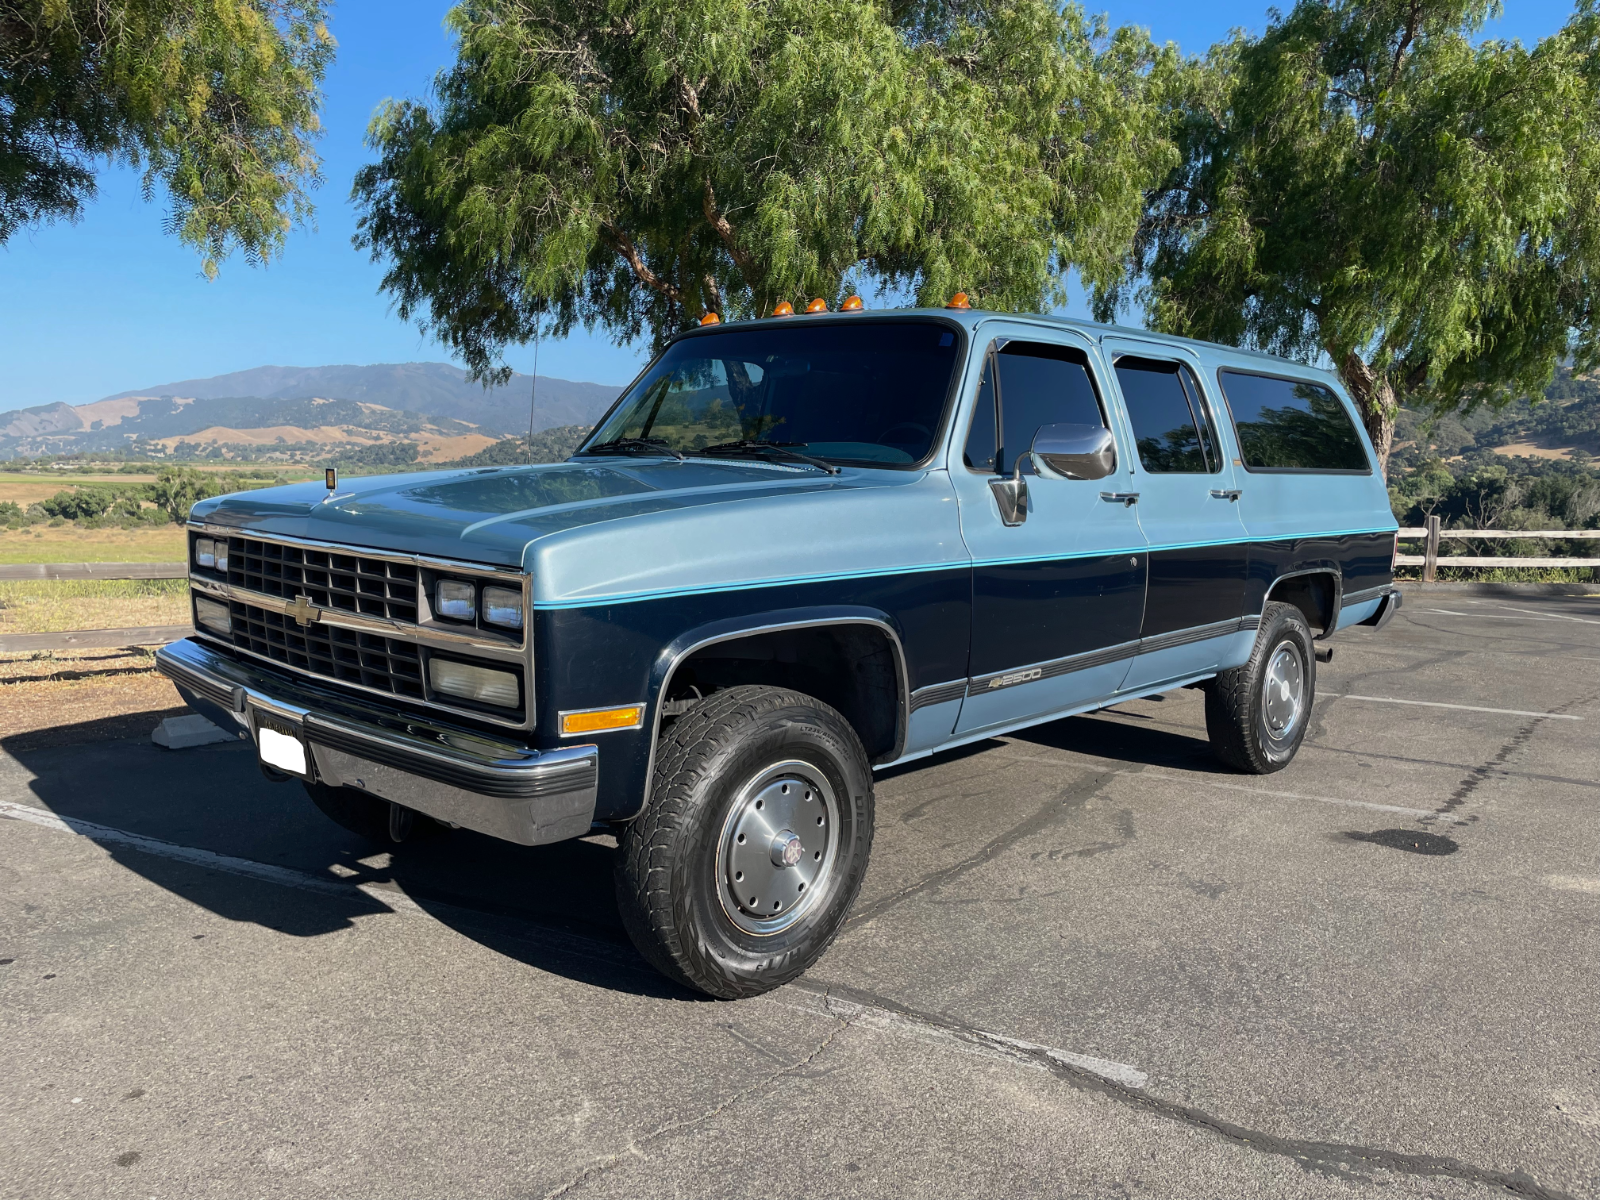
[1257, 714]
[753, 845]
[371, 817]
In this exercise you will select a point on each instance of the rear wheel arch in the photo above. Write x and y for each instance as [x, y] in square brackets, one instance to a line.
[1317, 591]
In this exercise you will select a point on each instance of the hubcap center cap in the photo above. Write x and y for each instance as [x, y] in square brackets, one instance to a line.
[786, 848]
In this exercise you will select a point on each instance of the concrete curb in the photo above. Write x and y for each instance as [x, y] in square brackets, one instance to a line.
[1414, 586]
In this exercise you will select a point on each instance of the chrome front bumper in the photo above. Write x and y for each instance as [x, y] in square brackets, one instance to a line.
[472, 779]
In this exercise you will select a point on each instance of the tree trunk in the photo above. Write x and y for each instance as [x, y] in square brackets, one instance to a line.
[1376, 401]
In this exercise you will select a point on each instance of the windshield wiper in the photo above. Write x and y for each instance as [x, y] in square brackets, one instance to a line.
[654, 447]
[780, 450]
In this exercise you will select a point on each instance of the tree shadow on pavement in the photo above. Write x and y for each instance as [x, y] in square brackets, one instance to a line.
[551, 907]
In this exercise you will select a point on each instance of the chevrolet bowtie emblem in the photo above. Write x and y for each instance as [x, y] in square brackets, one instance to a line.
[303, 611]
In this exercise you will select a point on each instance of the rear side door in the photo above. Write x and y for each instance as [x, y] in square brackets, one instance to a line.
[1311, 501]
[1188, 510]
[1058, 595]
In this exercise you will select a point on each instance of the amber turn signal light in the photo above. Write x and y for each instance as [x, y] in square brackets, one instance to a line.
[601, 719]
[959, 300]
[817, 305]
[711, 319]
[851, 304]
[783, 309]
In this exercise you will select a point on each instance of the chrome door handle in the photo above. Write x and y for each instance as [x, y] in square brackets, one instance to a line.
[1128, 498]
[1226, 493]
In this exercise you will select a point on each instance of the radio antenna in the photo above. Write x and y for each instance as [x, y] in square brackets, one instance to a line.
[533, 392]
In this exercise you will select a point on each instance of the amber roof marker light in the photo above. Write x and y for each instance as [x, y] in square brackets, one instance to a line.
[783, 309]
[959, 300]
[851, 304]
[817, 305]
[711, 319]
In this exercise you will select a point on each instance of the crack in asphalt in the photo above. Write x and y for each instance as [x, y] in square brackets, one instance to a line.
[1070, 799]
[636, 1145]
[1479, 774]
[1320, 1156]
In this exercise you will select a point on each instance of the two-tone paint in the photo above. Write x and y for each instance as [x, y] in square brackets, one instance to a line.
[635, 564]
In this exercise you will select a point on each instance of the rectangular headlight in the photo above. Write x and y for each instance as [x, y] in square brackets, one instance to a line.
[473, 683]
[456, 599]
[212, 615]
[205, 553]
[502, 606]
[221, 553]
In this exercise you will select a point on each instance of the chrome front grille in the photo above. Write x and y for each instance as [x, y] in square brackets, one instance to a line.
[369, 660]
[357, 617]
[352, 583]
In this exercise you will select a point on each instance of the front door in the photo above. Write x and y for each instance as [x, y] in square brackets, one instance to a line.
[1058, 595]
[1189, 511]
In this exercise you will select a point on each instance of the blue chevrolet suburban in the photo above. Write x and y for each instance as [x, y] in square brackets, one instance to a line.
[796, 551]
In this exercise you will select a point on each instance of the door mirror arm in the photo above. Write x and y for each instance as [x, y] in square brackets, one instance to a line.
[1011, 495]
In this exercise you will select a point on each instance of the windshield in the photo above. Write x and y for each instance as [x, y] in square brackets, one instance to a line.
[871, 393]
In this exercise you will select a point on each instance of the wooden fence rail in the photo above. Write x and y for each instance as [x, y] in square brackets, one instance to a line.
[1431, 534]
[158, 635]
[92, 639]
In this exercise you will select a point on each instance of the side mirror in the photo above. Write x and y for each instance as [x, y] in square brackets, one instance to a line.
[1074, 451]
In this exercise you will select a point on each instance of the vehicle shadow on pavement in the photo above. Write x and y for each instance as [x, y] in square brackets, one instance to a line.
[550, 907]
[1115, 736]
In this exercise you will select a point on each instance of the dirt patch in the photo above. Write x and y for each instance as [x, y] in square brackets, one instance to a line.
[1532, 450]
[447, 449]
[72, 697]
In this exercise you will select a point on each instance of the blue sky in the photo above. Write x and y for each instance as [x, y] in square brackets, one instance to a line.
[111, 303]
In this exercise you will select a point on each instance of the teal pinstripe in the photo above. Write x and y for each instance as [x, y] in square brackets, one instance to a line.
[959, 564]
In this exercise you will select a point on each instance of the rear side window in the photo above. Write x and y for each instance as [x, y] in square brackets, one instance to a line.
[1292, 425]
[1026, 385]
[1168, 416]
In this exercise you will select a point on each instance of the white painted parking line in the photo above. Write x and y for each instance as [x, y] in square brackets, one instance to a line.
[1504, 712]
[1482, 616]
[1372, 804]
[1202, 781]
[1549, 616]
[209, 859]
[1573, 883]
[810, 997]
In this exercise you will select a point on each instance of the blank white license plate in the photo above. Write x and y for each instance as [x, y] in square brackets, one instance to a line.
[281, 750]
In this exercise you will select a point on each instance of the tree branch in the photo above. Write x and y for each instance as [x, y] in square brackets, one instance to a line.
[623, 245]
[746, 264]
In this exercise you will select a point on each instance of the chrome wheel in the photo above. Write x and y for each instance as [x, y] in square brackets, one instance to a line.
[776, 855]
[1283, 689]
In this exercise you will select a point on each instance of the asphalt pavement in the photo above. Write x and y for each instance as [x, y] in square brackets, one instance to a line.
[1088, 960]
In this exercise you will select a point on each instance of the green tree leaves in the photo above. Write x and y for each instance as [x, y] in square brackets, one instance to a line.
[215, 99]
[631, 165]
[1366, 183]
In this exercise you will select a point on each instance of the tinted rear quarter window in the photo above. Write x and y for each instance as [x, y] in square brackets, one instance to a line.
[1292, 425]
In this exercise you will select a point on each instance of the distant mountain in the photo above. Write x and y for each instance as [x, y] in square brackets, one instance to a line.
[301, 411]
[434, 389]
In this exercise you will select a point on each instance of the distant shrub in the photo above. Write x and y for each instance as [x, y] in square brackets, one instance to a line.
[178, 489]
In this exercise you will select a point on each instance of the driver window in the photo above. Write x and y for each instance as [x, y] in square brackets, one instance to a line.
[1026, 385]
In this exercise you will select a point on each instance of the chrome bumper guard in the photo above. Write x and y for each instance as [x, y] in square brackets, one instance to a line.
[464, 777]
[1387, 608]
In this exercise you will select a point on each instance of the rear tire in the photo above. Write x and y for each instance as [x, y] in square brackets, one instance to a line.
[753, 845]
[1257, 714]
[371, 817]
